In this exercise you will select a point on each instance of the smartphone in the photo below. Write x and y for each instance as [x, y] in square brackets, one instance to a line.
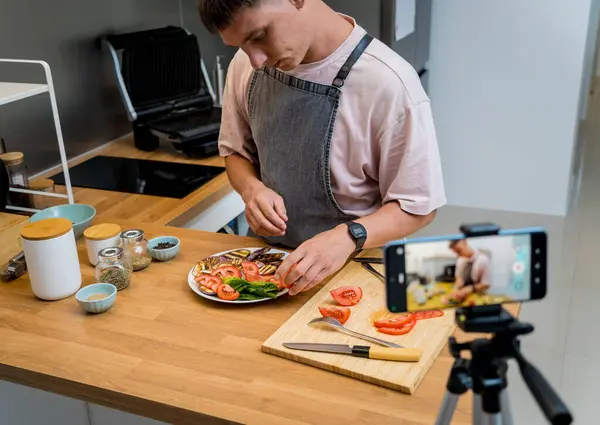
[466, 271]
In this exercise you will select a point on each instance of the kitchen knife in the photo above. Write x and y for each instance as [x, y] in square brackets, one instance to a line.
[378, 353]
[369, 260]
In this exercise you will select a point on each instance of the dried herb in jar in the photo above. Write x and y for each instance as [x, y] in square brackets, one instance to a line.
[140, 262]
[119, 278]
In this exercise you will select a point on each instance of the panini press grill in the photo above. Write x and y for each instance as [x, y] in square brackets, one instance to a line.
[166, 90]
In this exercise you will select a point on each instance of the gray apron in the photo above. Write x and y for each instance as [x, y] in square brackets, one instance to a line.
[292, 122]
[468, 274]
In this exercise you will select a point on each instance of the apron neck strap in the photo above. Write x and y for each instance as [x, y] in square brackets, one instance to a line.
[354, 56]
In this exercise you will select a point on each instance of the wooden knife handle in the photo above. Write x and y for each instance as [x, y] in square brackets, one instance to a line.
[395, 354]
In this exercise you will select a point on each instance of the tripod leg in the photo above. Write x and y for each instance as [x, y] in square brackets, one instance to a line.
[478, 416]
[447, 409]
[505, 406]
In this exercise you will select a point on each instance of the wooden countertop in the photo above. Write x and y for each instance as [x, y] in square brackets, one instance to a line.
[150, 209]
[165, 353]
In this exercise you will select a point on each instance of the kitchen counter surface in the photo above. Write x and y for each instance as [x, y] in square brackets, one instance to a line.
[165, 353]
[150, 209]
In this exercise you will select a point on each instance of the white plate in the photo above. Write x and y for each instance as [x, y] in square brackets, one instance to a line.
[196, 288]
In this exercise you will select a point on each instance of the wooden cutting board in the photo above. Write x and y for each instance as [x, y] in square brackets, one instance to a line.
[430, 335]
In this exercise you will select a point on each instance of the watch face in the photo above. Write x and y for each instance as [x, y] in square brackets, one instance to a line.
[358, 231]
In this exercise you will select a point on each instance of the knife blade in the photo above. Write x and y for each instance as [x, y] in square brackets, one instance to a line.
[364, 351]
[370, 260]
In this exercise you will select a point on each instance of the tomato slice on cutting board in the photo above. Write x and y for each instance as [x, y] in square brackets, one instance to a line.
[395, 322]
[429, 314]
[347, 295]
[342, 314]
[227, 271]
[250, 268]
[227, 293]
[402, 330]
[209, 281]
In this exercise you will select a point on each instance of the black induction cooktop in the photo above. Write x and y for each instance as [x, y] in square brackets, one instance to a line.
[140, 176]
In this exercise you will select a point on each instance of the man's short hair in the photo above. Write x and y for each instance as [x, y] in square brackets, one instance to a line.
[217, 15]
[455, 242]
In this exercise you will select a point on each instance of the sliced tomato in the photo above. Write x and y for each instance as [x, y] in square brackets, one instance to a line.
[402, 330]
[209, 281]
[347, 295]
[250, 268]
[342, 314]
[395, 322]
[227, 293]
[284, 281]
[227, 271]
[273, 279]
[429, 314]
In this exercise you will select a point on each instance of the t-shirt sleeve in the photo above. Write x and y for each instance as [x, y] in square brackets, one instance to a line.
[410, 170]
[235, 134]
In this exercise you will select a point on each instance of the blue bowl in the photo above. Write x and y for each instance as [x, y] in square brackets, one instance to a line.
[97, 306]
[80, 215]
[164, 254]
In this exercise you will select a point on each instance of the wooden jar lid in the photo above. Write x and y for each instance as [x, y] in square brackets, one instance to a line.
[12, 158]
[102, 231]
[48, 228]
[40, 184]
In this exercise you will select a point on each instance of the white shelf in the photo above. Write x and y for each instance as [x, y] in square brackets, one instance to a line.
[11, 92]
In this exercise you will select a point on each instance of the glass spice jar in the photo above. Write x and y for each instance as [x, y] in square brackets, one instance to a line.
[114, 267]
[136, 248]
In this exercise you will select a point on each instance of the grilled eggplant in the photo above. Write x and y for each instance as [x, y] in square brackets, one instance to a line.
[267, 270]
[254, 256]
[239, 254]
[271, 258]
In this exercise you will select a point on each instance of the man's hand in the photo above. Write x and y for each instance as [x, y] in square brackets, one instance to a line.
[317, 259]
[265, 211]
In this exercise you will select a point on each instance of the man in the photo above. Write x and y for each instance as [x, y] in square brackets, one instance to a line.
[328, 134]
[472, 271]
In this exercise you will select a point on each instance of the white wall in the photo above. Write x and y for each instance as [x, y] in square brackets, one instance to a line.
[506, 78]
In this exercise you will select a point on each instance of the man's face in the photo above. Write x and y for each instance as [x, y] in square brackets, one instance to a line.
[273, 33]
[460, 248]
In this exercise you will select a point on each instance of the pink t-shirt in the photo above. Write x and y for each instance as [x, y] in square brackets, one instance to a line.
[384, 146]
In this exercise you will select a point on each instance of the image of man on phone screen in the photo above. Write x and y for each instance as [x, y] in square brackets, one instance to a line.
[473, 274]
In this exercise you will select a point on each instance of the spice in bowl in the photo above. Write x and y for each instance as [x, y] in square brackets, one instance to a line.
[96, 297]
[164, 248]
[164, 245]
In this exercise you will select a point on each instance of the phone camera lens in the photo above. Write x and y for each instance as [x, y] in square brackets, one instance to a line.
[538, 251]
[538, 266]
[537, 280]
[400, 251]
[401, 279]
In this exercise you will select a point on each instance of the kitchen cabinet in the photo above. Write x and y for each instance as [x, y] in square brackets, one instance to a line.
[28, 406]
[100, 415]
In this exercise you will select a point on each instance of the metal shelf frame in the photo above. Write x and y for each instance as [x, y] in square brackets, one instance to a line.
[12, 92]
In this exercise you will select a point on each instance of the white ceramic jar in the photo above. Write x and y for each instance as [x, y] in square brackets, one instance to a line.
[52, 261]
[99, 237]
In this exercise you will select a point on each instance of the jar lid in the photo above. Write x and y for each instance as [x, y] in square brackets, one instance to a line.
[48, 228]
[40, 184]
[12, 158]
[102, 231]
[133, 235]
[111, 254]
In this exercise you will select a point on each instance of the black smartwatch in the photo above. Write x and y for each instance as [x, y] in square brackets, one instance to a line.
[358, 233]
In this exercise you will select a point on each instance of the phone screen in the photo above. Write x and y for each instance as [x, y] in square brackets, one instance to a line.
[468, 272]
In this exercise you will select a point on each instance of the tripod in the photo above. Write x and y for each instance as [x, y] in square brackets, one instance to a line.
[485, 372]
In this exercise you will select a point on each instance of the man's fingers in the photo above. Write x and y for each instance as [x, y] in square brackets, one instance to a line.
[306, 283]
[269, 228]
[268, 211]
[280, 208]
[290, 263]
